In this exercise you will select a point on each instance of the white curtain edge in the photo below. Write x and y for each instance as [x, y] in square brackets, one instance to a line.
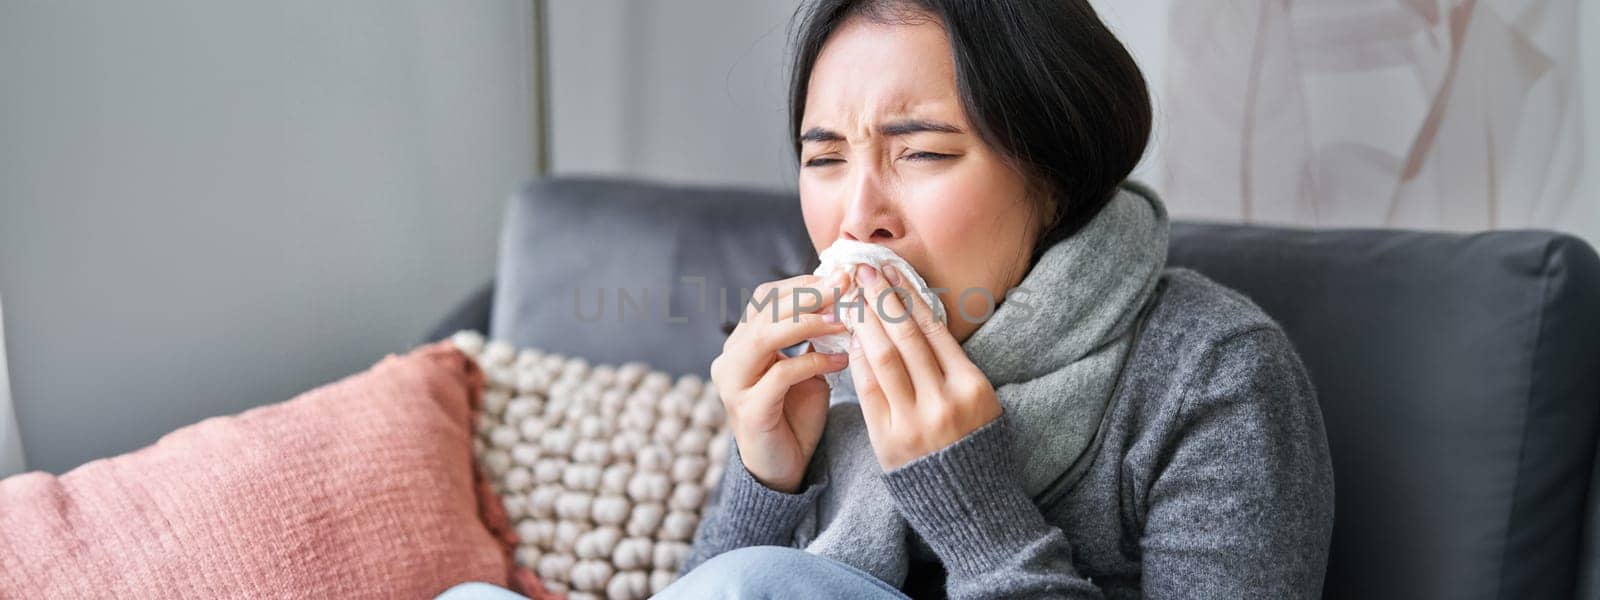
[12, 460]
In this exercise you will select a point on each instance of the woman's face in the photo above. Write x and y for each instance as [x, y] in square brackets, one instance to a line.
[889, 157]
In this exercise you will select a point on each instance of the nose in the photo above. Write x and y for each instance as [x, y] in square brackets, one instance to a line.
[871, 214]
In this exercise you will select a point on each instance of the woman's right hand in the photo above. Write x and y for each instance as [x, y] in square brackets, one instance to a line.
[777, 404]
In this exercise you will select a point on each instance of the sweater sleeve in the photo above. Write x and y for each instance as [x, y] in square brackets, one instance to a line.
[744, 512]
[1243, 505]
[966, 503]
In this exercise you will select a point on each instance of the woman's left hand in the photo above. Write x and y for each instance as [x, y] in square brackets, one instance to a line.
[918, 390]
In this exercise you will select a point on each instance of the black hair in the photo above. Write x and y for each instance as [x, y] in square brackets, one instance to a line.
[1044, 82]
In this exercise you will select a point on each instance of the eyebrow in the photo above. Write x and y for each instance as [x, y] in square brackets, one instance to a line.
[890, 129]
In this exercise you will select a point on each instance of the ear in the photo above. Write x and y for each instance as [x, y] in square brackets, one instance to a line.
[1045, 208]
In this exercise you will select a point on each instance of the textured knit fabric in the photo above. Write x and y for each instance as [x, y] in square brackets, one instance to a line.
[1209, 477]
[1052, 351]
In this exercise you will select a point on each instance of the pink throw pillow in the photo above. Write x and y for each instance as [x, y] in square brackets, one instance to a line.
[364, 488]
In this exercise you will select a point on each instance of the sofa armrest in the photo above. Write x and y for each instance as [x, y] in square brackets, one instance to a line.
[471, 313]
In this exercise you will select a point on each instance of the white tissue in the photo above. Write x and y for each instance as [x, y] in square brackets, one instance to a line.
[846, 254]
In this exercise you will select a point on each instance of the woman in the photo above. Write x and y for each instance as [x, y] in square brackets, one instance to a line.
[1109, 429]
[1084, 424]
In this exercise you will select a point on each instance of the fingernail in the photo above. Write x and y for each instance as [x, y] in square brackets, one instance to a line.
[838, 358]
[830, 317]
[866, 274]
[892, 274]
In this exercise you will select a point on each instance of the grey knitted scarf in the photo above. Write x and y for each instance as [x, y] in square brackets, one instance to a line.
[1053, 355]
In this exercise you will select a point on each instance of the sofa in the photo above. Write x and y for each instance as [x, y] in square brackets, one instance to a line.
[1458, 374]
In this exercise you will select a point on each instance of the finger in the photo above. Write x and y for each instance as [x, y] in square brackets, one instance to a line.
[874, 407]
[946, 349]
[904, 330]
[749, 350]
[788, 332]
[766, 409]
[794, 370]
[814, 294]
[782, 299]
[888, 366]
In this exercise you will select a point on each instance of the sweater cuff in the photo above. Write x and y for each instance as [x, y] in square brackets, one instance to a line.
[966, 502]
[756, 515]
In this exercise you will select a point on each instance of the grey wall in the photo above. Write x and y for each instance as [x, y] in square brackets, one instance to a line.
[210, 205]
[686, 91]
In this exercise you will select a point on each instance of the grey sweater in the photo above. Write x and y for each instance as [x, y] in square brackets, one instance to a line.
[1209, 477]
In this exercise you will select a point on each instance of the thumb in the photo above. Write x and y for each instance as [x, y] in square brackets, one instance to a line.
[807, 409]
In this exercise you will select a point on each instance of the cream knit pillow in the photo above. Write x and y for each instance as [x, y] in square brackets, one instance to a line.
[603, 470]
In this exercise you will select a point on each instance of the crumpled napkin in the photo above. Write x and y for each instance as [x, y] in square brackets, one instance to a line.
[846, 254]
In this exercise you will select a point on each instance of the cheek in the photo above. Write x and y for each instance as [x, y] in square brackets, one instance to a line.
[962, 214]
[821, 211]
[973, 223]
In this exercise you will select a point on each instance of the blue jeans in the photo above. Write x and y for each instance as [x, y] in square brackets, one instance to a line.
[755, 572]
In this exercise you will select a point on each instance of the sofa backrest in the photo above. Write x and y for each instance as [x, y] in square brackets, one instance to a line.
[615, 271]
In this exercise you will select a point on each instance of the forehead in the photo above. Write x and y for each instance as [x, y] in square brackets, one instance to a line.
[867, 69]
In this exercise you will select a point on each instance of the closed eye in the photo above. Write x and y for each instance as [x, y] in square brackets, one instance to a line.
[822, 162]
[928, 156]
